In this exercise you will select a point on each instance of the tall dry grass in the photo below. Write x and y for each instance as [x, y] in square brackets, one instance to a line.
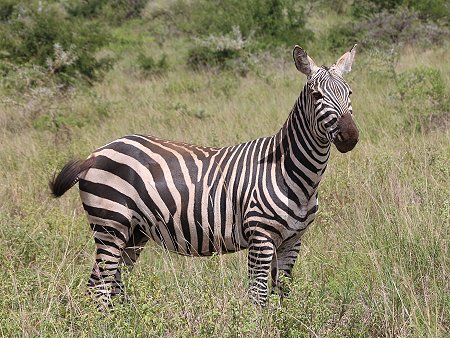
[375, 262]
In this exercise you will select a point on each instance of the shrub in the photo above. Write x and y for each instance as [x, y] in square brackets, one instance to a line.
[402, 26]
[345, 35]
[435, 10]
[149, 66]
[387, 28]
[60, 121]
[42, 35]
[423, 97]
[115, 11]
[271, 22]
[217, 50]
[366, 8]
[226, 32]
[6, 9]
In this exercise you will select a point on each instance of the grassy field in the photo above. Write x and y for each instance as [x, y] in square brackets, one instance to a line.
[375, 262]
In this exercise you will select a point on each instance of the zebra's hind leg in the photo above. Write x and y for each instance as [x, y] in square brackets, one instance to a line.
[260, 255]
[110, 242]
[282, 265]
[131, 251]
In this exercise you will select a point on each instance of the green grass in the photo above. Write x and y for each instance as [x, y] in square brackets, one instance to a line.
[374, 263]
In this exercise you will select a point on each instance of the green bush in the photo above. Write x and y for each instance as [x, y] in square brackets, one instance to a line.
[6, 9]
[41, 34]
[386, 29]
[228, 31]
[345, 35]
[365, 8]
[217, 50]
[115, 11]
[423, 97]
[149, 66]
[62, 121]
[435, 10]
[275, 22]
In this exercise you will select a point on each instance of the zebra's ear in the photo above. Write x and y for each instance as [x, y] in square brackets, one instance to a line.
[344, 64]
[303, 62]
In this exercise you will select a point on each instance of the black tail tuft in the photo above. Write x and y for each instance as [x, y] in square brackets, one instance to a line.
[68, 176]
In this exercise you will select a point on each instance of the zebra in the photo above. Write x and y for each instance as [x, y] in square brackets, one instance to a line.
[198, 201]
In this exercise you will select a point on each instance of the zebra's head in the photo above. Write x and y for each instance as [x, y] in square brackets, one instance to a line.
[329, 96]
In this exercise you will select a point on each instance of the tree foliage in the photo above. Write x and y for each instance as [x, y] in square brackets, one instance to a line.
[434, 10]
[42, 34]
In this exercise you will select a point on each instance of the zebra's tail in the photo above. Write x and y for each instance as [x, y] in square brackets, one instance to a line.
[69, 176]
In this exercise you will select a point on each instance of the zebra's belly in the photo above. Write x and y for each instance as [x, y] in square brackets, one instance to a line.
[199, 220]
[192, 237]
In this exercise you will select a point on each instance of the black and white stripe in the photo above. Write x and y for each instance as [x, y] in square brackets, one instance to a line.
[197, 201]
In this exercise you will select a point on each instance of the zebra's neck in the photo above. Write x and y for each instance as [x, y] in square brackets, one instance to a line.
[303, 156]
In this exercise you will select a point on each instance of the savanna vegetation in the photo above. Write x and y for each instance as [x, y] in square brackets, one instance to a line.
[77, 74]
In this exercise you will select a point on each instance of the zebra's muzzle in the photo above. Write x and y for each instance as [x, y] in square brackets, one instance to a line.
[347, 135]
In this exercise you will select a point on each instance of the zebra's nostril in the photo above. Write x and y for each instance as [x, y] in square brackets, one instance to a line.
[337, 137]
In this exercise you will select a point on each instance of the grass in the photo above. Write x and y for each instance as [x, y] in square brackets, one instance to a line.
[374, 263]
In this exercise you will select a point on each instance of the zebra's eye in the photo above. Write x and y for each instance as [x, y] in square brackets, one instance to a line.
[350, 92]
[317, 95]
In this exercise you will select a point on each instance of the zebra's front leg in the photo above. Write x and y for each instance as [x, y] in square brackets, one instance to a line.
[103, 283]
[260, 255]
[282, 265]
